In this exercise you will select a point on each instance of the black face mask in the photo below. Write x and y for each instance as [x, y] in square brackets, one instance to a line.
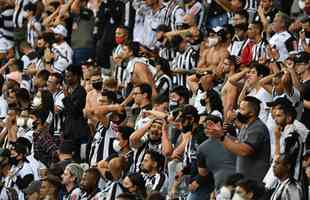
[97, 86]
[187, 128]
[203, 102]
[242, 118]
[108, 175]
[13, 161]
[186, 26]
[173, 105]
[160, 39]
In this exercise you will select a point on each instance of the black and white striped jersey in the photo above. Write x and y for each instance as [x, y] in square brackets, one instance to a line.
[185, 61]
[157, 182]
[6, 24]
[102, 144]
[174, 15]
[19, 13]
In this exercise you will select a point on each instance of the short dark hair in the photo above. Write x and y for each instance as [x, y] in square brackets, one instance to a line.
[288, 110]
[95, 172]
[261, 69]
[182, 91]
[57, 76]
[134, 47]
[137, 180]
[160, 99]
[252, 186]
[243, 13]
[111, 96]
[43, 74]
[156, 196]
[146, 88]
[233, 179]
[126, 196]
[254, 104]
[258, 25]
[157, 157]
[125, 132]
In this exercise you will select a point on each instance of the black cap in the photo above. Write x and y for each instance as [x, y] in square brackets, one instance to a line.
[189, 111]
[213, 118]
[66, 147]
[302, 58]
[162, 28]
[283, 101]
[24, 141]
[33, 187]
[20, 148]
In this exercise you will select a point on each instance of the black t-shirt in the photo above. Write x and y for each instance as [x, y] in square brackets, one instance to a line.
[306, 96]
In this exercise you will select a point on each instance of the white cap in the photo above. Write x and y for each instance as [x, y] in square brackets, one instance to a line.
[60, 29]
[217, 29]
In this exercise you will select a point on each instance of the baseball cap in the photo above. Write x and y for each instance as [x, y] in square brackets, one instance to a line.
[189, 111]
[60, 29]
[283, 101]
[66, 147]
[302, 58]
[33, 187]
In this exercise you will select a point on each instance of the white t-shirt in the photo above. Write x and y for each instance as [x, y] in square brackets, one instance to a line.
[62, 56]
[3, 107]
[264, 96]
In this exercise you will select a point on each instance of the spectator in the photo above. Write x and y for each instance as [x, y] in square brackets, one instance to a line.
[134, 184]
[75, 128]
[71, 179]
[288, 186]
[50, 187]
[33, 190]
[253, 143]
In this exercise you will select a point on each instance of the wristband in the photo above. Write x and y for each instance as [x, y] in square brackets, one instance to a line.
[222, 138]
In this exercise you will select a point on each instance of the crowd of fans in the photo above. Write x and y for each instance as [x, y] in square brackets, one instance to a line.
[154, 99]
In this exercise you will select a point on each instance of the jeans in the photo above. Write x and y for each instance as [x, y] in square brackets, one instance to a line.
[81, 55]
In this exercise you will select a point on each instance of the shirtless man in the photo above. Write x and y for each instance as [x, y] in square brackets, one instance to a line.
[229, 92]
[215, 50]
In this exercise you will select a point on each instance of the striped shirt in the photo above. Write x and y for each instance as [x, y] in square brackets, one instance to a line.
[102, 144]
[288, 190]
[33, 30]
[157, 182]
[119, 69]
[251, 7]
[186, 61]
[138, 154]
[19, 13]
[259, 51]
[198, 11]
[174, 15]
[6, 24]
[163, 84]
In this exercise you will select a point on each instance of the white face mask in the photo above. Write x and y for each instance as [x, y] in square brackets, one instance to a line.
[237, 197]
[37, 101]
[225, 193]
[212, 41]
[30, 123]
[117, 148]
[20, 122]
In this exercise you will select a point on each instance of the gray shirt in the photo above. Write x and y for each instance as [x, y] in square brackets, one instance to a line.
[216, 159]
[255, 166]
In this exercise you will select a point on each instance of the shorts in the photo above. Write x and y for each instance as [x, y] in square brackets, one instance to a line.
[5, 44]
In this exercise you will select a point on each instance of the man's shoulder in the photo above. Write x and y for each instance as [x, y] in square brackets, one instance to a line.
[258, 125]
